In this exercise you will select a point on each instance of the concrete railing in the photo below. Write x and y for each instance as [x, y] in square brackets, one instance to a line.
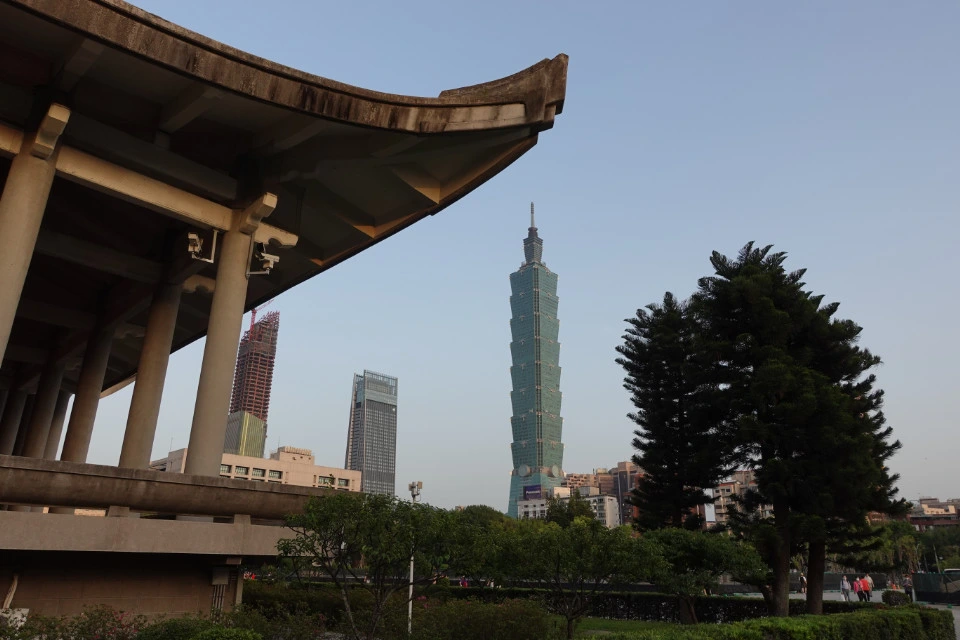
[32, 481]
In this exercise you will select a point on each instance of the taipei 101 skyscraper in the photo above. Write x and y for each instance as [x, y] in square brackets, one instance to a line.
[535, 350]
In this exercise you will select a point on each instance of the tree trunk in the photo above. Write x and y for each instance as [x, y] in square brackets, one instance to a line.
[688, 610]
[780, 596]
[571, 627]
[816, 562]
[767, 596]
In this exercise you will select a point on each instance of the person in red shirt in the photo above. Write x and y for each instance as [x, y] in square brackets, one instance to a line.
[865, 587]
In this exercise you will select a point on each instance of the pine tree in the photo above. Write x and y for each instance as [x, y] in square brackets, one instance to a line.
[807, 420]
[679, 433]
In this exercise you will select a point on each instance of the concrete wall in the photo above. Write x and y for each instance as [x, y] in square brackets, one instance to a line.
[65, 583]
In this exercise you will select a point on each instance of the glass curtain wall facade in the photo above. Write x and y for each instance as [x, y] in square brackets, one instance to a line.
[535, 350]
[372, 432]
[246, 435]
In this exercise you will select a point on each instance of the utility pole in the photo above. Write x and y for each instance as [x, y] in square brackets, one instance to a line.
[415, 488]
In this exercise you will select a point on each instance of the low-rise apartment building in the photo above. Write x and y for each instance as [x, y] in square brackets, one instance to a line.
[287, 465]
[736, 485]
[605, 508]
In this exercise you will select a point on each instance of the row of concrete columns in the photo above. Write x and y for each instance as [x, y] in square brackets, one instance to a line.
[31, 425]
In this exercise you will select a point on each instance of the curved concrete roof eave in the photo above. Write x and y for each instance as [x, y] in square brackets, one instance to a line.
[485, 127]
[540, 88]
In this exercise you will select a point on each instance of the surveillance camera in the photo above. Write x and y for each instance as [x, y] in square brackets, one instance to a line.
[268, 261]
[194, 244]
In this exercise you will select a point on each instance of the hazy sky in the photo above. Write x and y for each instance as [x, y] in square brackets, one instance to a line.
[828, 129]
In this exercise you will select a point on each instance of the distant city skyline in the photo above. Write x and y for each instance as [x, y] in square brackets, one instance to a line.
[826, 129]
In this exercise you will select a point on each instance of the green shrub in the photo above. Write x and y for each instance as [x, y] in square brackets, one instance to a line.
[474, 620]
[95, 623]
[222, 633]
[653, 607]
[280, 624]
[322, 599]
[175, 629]
[904, 623]
[937, 624]
[896, 598]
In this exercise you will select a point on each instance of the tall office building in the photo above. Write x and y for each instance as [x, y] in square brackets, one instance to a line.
[535, 350]
[252, 382]
[372, 432]
[246, 435]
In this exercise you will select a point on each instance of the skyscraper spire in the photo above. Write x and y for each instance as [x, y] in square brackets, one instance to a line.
[532, 245]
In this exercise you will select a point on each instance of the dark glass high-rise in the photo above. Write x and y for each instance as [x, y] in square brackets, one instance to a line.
[372, 432]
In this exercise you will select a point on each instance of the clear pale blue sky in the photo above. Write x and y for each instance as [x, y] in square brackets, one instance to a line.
[828, 129]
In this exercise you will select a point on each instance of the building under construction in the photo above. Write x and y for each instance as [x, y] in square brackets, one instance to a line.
[253, 378]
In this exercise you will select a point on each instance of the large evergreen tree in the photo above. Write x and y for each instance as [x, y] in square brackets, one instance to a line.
[791, 378]
[679, 441]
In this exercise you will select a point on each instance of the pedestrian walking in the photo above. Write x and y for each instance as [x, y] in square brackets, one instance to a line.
[845, 589]
[858, 589]
[865, 587]
[803, 583]
[869, 581]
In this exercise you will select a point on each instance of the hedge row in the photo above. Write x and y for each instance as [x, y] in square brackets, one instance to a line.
[326, 600]
[657, 606]
[907, 623]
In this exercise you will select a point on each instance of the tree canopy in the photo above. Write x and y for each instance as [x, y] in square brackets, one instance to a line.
[689, 563]
[755, 371]
[564, 512]
[680, 439]
[366, 541]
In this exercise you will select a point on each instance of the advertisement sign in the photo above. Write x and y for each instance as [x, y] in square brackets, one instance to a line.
[533, 492]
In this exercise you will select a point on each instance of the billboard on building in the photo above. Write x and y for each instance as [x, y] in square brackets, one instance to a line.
[533, 492]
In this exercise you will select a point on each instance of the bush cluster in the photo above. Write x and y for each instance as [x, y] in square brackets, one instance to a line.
[104, 623]
[658, 606]
[903, 623]
[896, 598]
[95, 623]
[474, 620]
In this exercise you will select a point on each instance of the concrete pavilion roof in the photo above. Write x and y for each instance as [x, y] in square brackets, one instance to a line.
[349, 166]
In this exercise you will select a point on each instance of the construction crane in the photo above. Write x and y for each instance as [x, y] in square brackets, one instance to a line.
[253, 312]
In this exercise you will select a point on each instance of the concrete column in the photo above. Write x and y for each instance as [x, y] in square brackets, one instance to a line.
[89, 386]
[45, 405]
[10, 422]
[219, 357]
[24, 425]
[56, 426]
[22, 205]
[151, 373]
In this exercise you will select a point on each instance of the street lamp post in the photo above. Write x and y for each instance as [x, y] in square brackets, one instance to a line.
[415, 488]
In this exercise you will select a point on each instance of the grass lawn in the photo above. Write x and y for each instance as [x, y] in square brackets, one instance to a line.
[598, 626]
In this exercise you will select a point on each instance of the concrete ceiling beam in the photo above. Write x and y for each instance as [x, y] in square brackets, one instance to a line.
[187, 106]
[25, 355]
[286, 134]
[420, 181]
[97, 257]
[115, 145]
[323, 199]
[55, 315]
[132, 186]
[78, 62]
